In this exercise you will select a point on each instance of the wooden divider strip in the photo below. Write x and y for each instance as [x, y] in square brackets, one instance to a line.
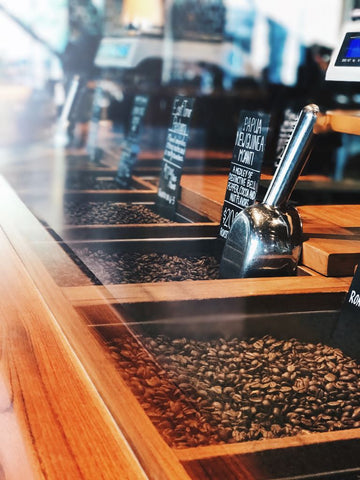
[205, 289]
[189, 454]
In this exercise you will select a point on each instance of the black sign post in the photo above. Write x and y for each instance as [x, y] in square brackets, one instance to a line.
[245, 167]
[174, 154]
[92, 140]
[131, 147]
[347, 330]
[286, 129]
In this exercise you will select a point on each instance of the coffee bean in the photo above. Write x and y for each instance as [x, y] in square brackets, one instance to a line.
[216, 389]
[276, 412]
[356, 414]
[109, 213]
[83, 181]
[285, 389]
[245, 405]
[329, 377]
[348, 377]
[116, 268]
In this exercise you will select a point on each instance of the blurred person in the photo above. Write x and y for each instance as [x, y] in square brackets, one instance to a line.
[78, 62]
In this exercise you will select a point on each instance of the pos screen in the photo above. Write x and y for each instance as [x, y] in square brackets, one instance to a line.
[349, 54]
[353, 48]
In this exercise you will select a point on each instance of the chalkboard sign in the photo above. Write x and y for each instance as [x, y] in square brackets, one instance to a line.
[347, 330]
[245, 167]
[92, 140]
[174, 154]
[288, 124]
[131, 147]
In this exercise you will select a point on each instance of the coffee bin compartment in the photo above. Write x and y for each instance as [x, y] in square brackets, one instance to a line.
[120, 210]
[92, 180]
[151, 260]
[240, 385]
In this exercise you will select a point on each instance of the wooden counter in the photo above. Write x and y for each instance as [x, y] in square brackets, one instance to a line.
[66, 428]
[74, 413]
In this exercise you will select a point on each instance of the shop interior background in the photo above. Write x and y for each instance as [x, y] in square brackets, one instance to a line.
[275, 57]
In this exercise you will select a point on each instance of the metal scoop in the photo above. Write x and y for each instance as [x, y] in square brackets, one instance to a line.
[265, 239]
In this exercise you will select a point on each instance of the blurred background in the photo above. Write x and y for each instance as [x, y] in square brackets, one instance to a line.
[267, 55]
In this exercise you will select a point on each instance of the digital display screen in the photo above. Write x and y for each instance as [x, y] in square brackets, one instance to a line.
[349, 53]
[123, 50]
[114, 50]
[353, 48]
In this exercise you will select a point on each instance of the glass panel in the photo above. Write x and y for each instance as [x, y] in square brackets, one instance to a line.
[210, 361]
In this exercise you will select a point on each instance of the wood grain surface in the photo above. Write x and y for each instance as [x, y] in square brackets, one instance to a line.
[66, 426]
[204, 289]
[332, 241]
[64, 438]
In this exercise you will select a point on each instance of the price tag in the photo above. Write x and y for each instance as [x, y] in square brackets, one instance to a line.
[347, 330]
[245, 167]
[174, 154]
[131, 147]
[92, 140]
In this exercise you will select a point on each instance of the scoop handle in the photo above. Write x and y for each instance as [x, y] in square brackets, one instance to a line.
[293, 159]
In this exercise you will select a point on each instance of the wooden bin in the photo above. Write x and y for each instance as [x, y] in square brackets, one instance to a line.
[186, 223]
[302, 455]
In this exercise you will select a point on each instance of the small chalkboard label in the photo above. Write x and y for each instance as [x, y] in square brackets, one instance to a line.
[174, 154]
[245, 167]
[131, 147]
[287, 127]
[92, 140]
[347, 330]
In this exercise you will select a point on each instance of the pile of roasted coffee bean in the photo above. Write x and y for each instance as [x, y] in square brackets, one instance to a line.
[136, 267]
[173, 414]
[244, 390]
[109, 213]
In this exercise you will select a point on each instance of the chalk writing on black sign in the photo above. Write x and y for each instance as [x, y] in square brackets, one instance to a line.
[92, 140]
[286, 129]
[347, 330]
[137, 114]
[130, 150]
[174, 154]
[245, 167]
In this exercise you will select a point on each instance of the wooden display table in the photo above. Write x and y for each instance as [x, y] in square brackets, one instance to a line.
[78, 417]
[76, 408]
[66, 430]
